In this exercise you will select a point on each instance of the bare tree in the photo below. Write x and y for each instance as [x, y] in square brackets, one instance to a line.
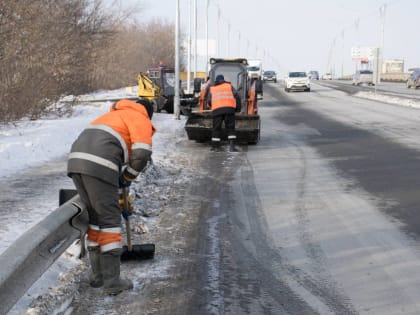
[53, 47]
[134, 48]
[46, 51]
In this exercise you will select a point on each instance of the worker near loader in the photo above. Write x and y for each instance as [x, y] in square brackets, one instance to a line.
[106, 157]
[223, 101]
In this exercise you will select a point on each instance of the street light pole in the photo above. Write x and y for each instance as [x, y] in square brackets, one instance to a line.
[342, 53]
[195, 38]
[219, 43]
[207, 34]
[228, 40]
[382, 11]
[189, 49]
[177, 87]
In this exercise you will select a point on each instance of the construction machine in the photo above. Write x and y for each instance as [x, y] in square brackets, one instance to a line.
[199, 124]
[149, 90]
[158, 86]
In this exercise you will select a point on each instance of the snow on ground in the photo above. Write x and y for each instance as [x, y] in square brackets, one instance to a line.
[389, 99]
[33, 142]
[28, 143]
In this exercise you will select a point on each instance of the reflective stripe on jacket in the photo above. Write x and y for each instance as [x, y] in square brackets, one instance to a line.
[221, 95]
[111, 141]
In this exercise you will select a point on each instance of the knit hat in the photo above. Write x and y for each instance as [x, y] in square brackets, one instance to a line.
[220, 78]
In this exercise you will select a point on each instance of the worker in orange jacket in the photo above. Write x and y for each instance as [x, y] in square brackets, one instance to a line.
[107, 156]
[222, 98]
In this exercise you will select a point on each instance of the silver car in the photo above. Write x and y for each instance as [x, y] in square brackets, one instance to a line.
[363, 77]
[313, 75]
[270, 76]
[414, 79]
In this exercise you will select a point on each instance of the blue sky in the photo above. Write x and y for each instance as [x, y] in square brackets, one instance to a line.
[300, 35]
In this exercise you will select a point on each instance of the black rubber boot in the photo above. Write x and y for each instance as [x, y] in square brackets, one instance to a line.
[110, 263]
[216, 146]
[232, 147]
[95, 276]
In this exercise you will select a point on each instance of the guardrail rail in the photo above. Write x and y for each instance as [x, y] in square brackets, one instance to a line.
[33, 253]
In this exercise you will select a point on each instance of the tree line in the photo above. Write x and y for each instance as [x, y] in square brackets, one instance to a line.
[51, 48]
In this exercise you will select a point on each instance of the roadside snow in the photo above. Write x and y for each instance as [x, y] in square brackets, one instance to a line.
[32, 143]
[29, 144]
[395, 100]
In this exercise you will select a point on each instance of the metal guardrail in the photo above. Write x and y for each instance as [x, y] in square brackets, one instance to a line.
[32, 254]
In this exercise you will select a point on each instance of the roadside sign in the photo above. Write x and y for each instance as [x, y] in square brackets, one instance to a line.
[363, 54]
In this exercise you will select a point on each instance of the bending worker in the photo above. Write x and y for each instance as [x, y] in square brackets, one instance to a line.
[222, 98]
[109, 154]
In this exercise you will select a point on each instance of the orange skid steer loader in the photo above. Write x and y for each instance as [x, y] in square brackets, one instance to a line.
[199, 124]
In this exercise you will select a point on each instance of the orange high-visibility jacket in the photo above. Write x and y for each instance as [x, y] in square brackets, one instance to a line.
[114, 140]
[221, 95]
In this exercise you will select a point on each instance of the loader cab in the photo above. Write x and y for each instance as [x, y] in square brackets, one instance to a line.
[165, 78]
[234, 72]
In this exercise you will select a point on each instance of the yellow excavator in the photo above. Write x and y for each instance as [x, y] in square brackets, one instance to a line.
[158, 86]
[151, 91]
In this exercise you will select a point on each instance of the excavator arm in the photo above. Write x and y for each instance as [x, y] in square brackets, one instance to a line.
[147, 88]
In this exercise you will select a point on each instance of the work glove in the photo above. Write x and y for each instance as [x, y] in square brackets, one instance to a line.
[126, 212]
[123, 183]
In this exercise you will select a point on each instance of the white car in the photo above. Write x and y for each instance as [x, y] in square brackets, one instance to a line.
[327, 76]
[363, 77]
[297, 81]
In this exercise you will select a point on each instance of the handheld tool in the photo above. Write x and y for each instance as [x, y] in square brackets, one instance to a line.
[136, 251]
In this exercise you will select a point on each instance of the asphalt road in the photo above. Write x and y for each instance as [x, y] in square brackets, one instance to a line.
[388, 88]
[319, 218]
[337, 179]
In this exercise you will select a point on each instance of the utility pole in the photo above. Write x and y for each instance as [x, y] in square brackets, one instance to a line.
[177, 87]
[377, 70]
[342, 57]
[189, 49]
[219, 44]
[356, 25]
[330, 57]
[382, 11]
[239, 44]
[228, 41]
[195, 38]
[207, 33]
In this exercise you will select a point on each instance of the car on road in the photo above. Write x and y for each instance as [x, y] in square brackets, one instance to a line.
[327, 76]
[363, 77]
[313, 75]
[414, 79]
[297, 81]
[269, 75]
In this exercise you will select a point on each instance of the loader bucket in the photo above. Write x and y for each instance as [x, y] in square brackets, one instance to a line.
[199, 127]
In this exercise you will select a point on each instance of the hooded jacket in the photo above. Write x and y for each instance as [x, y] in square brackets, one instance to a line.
[118, 142]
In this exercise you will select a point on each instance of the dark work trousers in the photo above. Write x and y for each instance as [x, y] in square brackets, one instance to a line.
[218, 120]
[101, 199]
